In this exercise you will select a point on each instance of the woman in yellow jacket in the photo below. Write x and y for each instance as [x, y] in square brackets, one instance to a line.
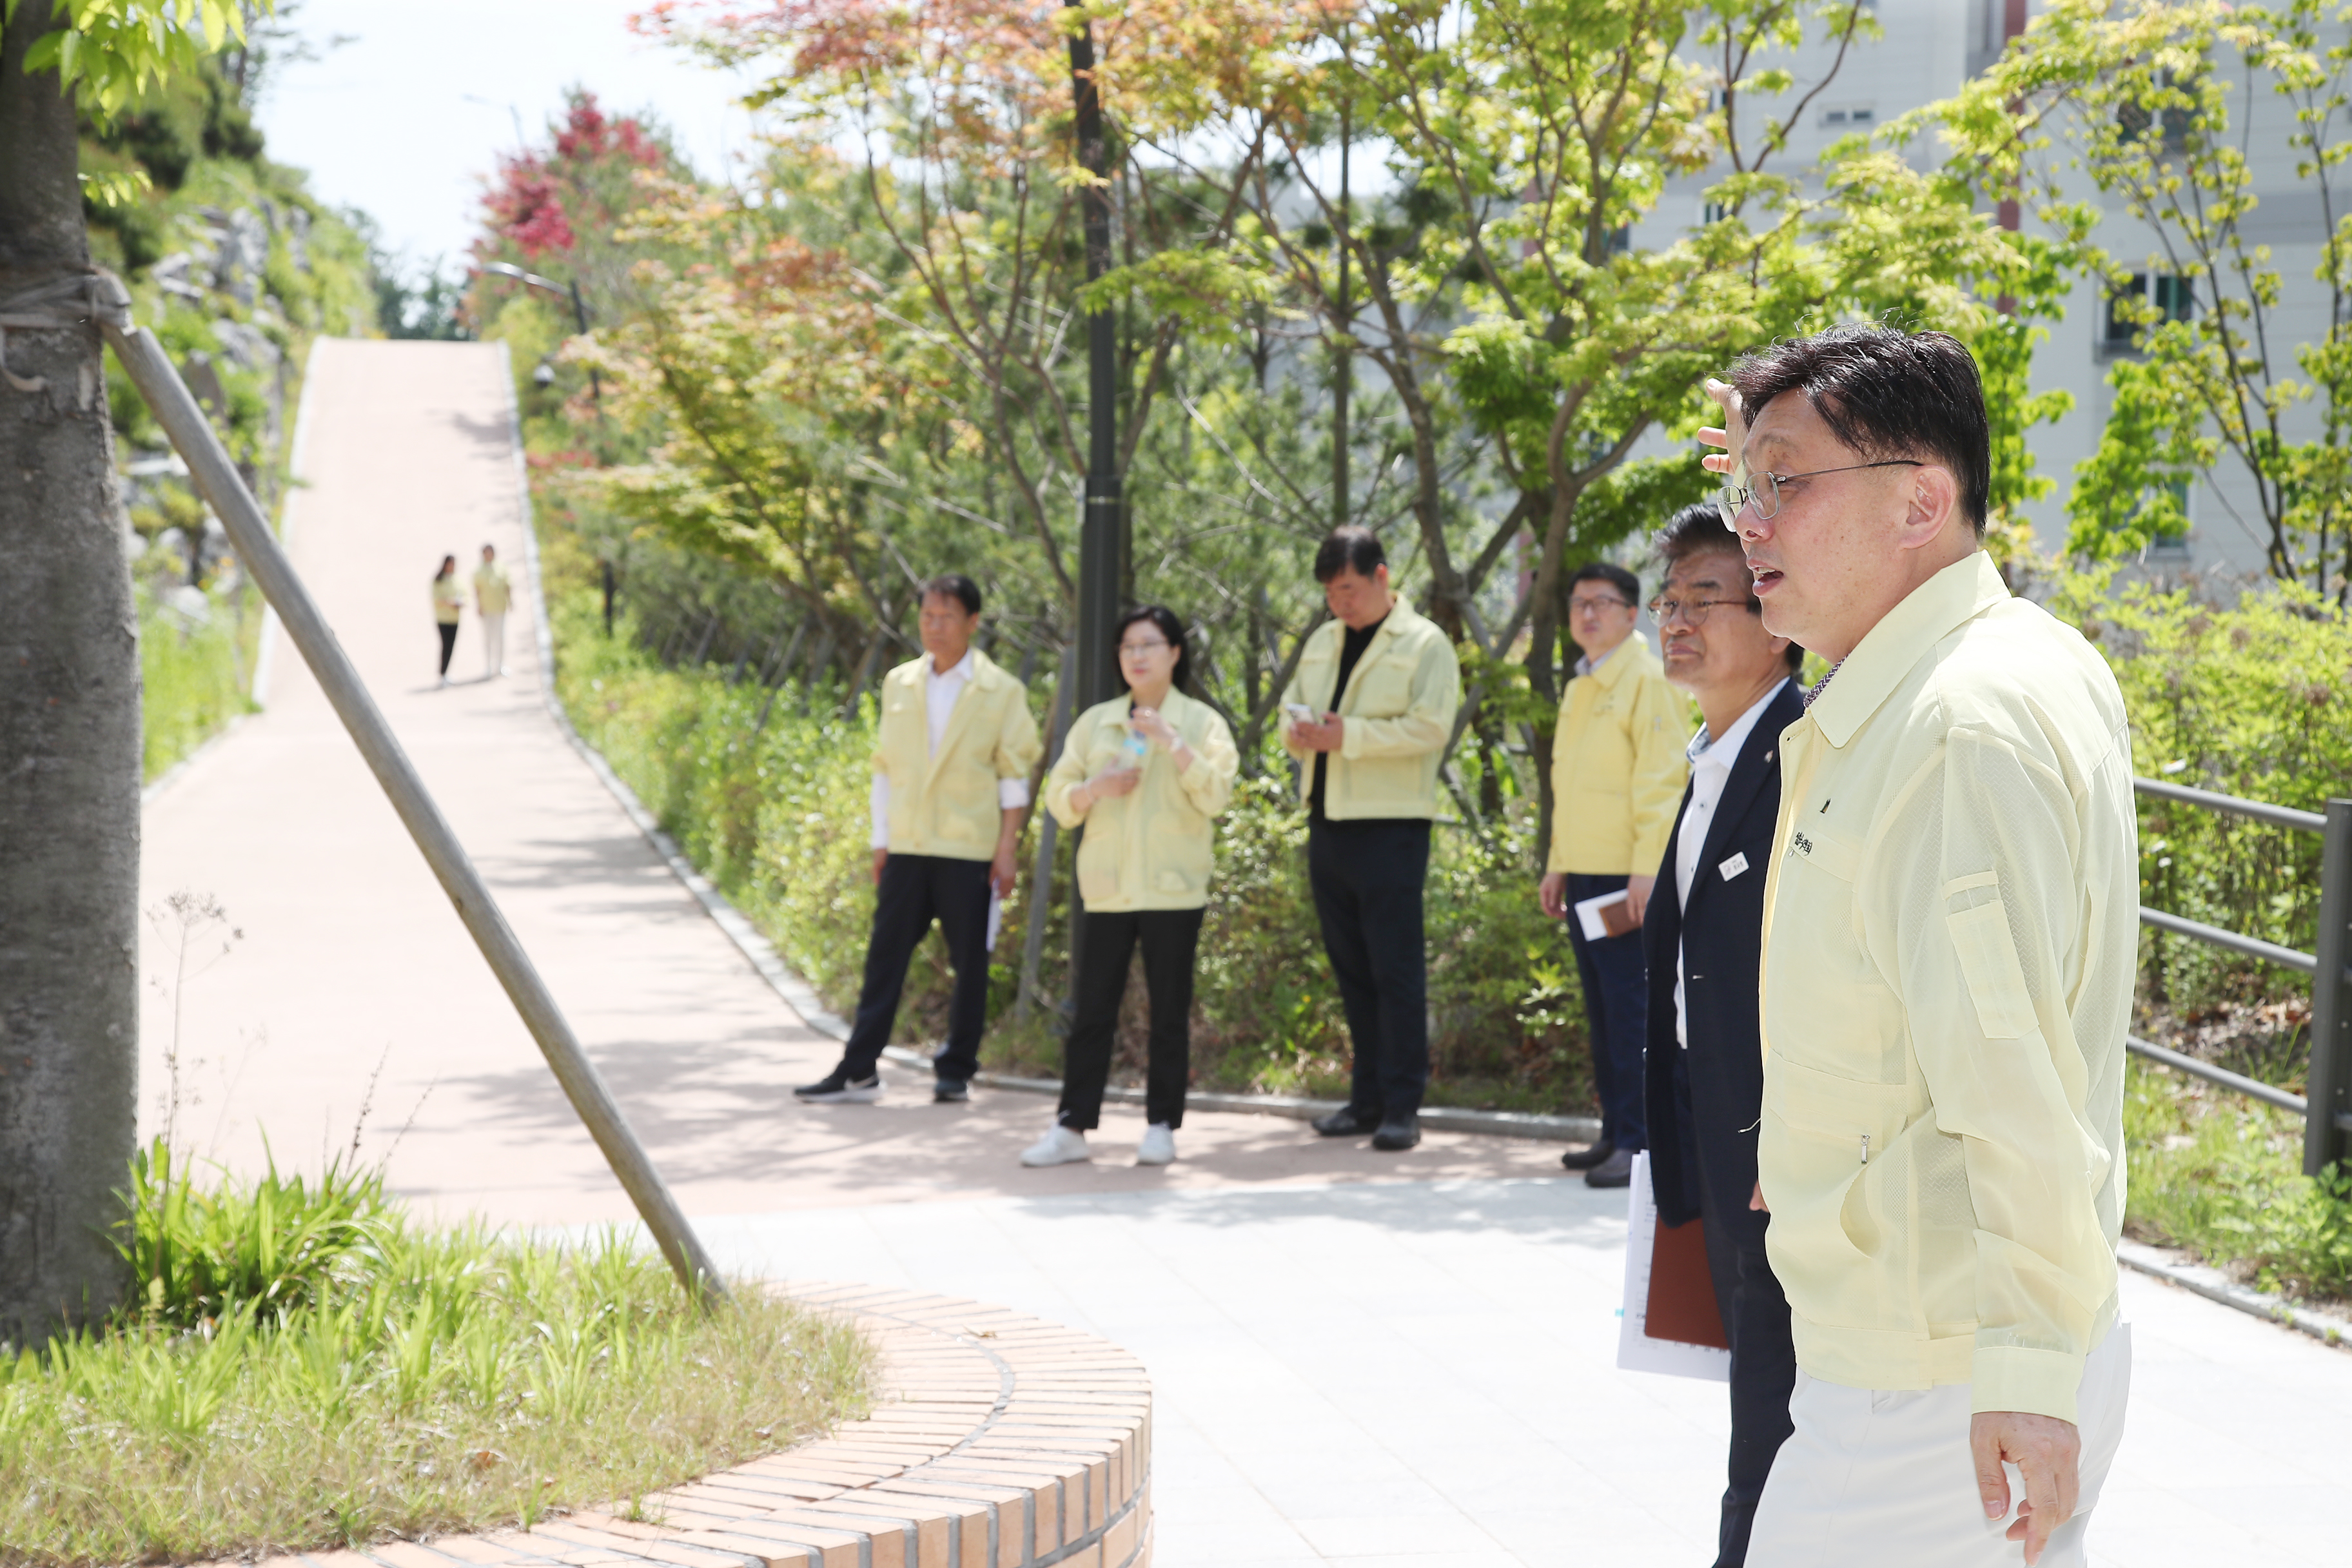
[1147, 773]
[448, 604]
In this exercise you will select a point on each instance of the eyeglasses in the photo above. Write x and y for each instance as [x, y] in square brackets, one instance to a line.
[1134, 649]
[1763, 492]
[1694, 611]
[1595, 604]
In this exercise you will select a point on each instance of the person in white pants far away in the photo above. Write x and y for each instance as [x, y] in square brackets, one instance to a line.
[1949, 939]
[493, 597]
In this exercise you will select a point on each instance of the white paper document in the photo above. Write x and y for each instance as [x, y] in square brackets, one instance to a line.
[1636, 1351]
[1588, 912]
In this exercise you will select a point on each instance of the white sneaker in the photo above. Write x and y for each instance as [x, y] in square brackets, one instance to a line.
[1159, 1146]
[1060, 1146]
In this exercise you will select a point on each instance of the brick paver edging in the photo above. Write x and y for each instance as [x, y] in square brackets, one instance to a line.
[997, 1440]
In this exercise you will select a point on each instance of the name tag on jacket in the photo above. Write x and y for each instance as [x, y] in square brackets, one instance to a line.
[1733, 866]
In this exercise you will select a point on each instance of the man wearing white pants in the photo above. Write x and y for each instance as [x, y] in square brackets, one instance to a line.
[1950, 940]
[493, 595]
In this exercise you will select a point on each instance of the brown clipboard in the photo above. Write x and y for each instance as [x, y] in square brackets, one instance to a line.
[1682, 1291]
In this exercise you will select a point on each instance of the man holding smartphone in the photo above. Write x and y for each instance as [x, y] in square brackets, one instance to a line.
[1370, 709]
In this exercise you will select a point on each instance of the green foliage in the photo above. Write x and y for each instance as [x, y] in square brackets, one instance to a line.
[2223, 1175]
[269, 1245]
[2253, 701]
[304, 1369]
[193, 674]
[115, 51]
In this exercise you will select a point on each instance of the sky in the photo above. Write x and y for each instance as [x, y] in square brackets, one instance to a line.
[404, 120]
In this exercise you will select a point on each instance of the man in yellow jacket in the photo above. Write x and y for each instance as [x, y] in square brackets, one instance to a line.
[1950, 941]
[950, 788]
[1619, 762]
[1371, 708]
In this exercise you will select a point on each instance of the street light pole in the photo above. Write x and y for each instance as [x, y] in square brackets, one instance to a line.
[561, 290]
[1102, 532]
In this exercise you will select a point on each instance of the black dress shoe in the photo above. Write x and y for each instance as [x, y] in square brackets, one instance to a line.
[1345, 1122]
[1617, 1171]
[949, 1091]
[1398, 1133]
[1585, 1159]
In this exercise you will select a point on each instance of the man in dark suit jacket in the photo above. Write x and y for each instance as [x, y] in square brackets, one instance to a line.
[1704, 1066]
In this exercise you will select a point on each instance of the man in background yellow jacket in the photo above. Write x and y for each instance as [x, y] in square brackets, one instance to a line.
[1619, 762]
[950, 789]
[1372, 706]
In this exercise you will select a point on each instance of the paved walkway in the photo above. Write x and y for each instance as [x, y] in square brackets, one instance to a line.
[1357, 1358]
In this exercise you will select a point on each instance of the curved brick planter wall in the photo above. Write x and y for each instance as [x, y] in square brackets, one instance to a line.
[998, 1440]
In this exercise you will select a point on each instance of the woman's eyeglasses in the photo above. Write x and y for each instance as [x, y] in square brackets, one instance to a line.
[1135, 649]
[1763, 492]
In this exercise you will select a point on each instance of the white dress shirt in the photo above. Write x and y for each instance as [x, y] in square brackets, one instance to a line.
[940, 690]
[1711, 762]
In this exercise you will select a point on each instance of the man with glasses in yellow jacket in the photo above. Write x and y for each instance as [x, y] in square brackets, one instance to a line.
[950, 790]
[1619, 762]
[1370, 709]
[1950, 938]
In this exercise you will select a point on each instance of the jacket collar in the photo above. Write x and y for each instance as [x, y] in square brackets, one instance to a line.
[1634, 650]
[1903, 637]
[985, 677]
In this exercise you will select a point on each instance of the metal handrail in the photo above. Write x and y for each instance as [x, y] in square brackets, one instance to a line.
[2252, 1087]
[2252, 946]
[2259, 810]
[2330, 969]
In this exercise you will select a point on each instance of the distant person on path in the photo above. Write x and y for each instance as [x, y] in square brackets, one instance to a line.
[448, 604]
[1370, 709]
[1705, 1067]
[950, 788]
[493, 595]
[1950, 943]
[1617, 767]
[1146, 775]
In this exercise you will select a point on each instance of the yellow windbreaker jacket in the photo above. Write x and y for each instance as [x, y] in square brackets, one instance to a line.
[946, 804]
[1620, 758]
[1400, 705]
[1951, 931]
[1149, 849]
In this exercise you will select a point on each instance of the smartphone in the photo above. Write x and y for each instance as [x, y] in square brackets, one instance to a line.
[1299, 713]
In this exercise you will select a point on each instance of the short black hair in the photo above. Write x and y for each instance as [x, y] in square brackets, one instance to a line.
[1349, 549]
[1171, 626]
[955, 585]
[1698, 530]
[1886, 394]
[1627, 586]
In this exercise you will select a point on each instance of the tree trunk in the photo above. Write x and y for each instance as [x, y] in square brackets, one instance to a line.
[68, 751]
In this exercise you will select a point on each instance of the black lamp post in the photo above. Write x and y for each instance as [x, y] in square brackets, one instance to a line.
[579, 316]
[1102, 533]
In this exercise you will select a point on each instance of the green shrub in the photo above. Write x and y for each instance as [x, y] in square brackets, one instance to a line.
[193, 675]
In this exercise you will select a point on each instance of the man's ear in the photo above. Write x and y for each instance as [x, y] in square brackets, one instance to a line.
[1933, 503]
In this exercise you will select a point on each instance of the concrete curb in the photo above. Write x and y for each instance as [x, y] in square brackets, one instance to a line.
[2216, 1286]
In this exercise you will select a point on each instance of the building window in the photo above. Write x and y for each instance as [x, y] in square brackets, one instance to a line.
[2172, 298]
[1621, 239]
[2136, 119]
[1852, 117]
[2171, 542]
[1714, 212]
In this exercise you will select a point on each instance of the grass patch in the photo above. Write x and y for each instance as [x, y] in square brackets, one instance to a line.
[2222, 1176]
[194, 673]
[300, 1367]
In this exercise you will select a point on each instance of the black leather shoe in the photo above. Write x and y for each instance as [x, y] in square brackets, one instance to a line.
[949, 1091]
[1585, 1159]
[1345, 1122]
[1617, 1171]
[1398, 1133]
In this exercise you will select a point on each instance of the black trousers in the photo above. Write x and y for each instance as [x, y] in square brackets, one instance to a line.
[1168, 937]
[1616, 1016]
[449, 630]
[1367, 879]
[1755, 1319]
[916, 889]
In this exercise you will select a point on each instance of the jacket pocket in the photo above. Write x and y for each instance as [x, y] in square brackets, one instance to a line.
[1996, 979]
[1822, 1134]
[1383, 691]
[1179, 852]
